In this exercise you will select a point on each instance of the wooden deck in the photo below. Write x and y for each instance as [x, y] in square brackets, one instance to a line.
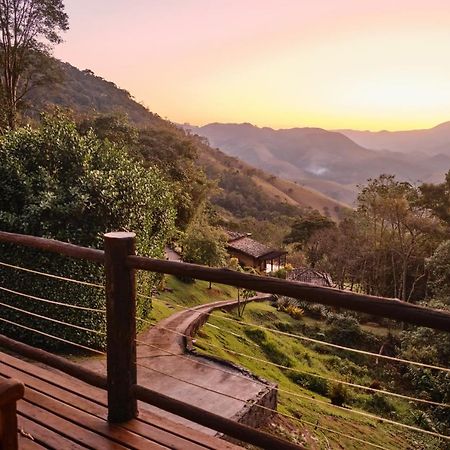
[61, 412]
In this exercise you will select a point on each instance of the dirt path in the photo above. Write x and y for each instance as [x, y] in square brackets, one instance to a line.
[165, 358]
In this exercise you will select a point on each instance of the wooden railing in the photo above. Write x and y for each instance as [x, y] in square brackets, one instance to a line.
[121, 263]
[10, 392]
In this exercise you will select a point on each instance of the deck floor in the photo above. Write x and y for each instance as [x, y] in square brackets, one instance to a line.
[60, 412]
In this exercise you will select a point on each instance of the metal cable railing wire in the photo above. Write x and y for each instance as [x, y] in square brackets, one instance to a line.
[52, 302]
[53, 337]
[49, 275]
[312, 340]
[381, 419]
[71, 325]
[238, 375]
[253, 404]
[354, 385]
[211, 345]
[285, 391]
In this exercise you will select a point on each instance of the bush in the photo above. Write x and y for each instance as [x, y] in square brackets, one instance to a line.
[310, 382]
[58, 184]
[344, 330]
[378, 403]
[289, 306]
[338, 394]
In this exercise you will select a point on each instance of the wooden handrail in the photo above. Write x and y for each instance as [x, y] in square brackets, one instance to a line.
[378, 306]
[120, 263]
[10, 392]
[54, 246]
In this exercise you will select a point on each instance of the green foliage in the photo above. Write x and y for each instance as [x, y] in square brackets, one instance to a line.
[59, 184]
[338, 394]
[289, 306]
[205, 245]
[243, 197]
[381, 248]
[437, 198]
[306, 235]
[304, 227]
[438, 266]
[166, 148]
[378, 403]
[344, 330]
[310, 382]
[26, 42]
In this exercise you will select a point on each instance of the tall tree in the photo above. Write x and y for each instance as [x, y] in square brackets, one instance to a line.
[28, 31]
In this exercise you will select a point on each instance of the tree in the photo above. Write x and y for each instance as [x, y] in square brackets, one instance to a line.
[304, 234]
[400, 229]
[58, 184]
[439, 267]
[204, 244]
[28, 30]
[233, 264]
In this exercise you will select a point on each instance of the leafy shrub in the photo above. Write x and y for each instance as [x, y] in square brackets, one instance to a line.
[344, 330]
[338, 394]
[310, 382]
[280, 273]
[58, 184]
[378, 403]
[288, 306]
[275, 354]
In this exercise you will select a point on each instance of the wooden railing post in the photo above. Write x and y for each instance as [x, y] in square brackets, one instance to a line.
[121, 326]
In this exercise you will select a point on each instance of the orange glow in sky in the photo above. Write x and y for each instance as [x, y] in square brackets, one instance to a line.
[363, 64]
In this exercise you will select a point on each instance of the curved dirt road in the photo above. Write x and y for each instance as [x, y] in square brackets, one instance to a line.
[164, 358]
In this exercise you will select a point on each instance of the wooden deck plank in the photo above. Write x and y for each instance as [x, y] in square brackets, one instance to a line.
[84, 396]
[28, 444]
[92, 424]
[142, 428]
[44, 437]
[209, 442]
[65, 428]
[57, 378]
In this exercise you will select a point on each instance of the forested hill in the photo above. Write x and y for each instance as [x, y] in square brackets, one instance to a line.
[245, 191]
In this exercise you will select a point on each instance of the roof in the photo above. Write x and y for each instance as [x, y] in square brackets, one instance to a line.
[309, 275]
[234, 235]
[254, 248]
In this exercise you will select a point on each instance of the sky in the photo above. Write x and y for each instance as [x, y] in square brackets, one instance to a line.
[361, 64]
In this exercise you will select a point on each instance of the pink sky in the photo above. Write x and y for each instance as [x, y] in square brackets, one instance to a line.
[331, 63]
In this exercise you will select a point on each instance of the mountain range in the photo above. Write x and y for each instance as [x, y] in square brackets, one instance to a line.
[84, 93]
[335, 162]
[305, 167]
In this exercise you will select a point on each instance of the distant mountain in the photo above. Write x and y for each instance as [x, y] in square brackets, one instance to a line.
[85, 93]
[427, 142]
[327, 161]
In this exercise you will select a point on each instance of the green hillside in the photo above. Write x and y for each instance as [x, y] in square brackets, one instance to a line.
[259, 194]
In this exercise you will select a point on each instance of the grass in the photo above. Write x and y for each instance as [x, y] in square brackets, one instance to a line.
[270, 347]
[177, 292]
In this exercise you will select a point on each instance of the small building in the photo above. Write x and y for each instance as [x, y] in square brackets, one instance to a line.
[251, 253]
[308, 275]
[172, 255]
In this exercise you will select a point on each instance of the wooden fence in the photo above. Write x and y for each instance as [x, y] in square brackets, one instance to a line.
[121, 263]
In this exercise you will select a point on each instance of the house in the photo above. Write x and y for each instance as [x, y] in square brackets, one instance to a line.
[308, 275]
[251, 253]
